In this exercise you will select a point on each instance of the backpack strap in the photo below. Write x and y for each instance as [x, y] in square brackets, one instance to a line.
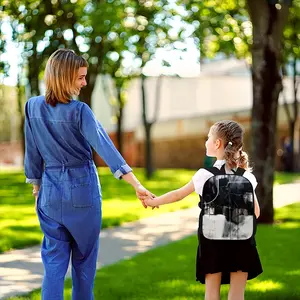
[216, 171]
[213, 170]
[222, 170]
[239, 171]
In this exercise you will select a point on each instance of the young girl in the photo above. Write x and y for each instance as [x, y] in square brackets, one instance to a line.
[59, 136]
[221, 261]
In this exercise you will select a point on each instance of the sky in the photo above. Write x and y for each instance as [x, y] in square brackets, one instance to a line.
[11, 55]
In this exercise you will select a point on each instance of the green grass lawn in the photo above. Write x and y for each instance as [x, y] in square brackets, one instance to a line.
[282, 178]
[168, 272]
[19, 225]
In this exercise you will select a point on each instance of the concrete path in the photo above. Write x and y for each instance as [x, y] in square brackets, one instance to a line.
[21, 271]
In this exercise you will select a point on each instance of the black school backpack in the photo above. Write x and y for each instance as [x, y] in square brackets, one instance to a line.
[227, 206]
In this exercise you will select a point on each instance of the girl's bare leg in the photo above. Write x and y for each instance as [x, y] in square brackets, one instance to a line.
[212, 286]
[238, 282]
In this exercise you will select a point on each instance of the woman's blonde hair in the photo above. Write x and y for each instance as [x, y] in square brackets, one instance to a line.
[60, 75]
[231, 133]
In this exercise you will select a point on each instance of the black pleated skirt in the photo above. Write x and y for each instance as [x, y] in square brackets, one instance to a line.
[214, 256]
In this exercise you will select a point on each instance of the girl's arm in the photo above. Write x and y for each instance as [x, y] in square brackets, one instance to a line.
[256, 207]
[172, 196]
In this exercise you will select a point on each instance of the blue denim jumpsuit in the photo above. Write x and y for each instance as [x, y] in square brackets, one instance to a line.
[58, 157]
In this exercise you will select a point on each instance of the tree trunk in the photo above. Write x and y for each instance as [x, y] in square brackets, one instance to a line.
[296, 115]
[268, 23]
[297, 155]
[120, 120]
[291, 157]
[22, 118]
[33, 75]
[292, 145]
[93, 72]
[148, 161]
[86, 93]
[147, 127]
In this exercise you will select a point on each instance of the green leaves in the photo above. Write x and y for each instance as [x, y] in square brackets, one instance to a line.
[220, 26]
[291, 47]
[106, 32]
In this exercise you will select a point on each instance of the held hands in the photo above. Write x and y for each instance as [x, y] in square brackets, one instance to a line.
[144, 194]
[150, 202]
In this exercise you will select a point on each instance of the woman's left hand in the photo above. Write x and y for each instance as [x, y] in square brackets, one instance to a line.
[36, 198]
[150, 202]
[142, 193]
[35, 193]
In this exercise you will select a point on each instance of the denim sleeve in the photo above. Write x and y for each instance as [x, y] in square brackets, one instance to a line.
[33, 162]
[97, 137]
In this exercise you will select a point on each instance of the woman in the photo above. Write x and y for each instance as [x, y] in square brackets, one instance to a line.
[59, 136]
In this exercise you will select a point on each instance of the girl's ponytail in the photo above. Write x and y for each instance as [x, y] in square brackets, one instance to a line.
[243, 161]
[231, 133]
[230, 156]
[236, 158]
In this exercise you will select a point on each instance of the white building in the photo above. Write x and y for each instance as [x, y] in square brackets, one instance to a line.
[224, 89]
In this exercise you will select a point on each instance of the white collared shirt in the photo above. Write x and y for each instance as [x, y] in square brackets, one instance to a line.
[202, 175]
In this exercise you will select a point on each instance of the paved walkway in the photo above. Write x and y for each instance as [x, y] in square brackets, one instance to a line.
[21, 271]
